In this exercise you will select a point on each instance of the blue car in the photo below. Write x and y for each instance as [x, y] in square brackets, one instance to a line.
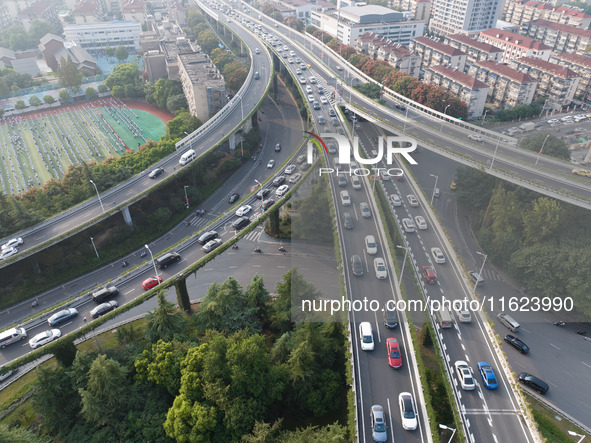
[62, 316]
[488, 375]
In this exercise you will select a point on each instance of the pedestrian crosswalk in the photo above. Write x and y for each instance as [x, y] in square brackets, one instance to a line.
[491, 274]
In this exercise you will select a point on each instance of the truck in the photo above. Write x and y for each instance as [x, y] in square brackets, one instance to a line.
[530, 126]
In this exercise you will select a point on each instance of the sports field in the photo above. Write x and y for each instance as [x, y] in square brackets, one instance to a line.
[39, 146]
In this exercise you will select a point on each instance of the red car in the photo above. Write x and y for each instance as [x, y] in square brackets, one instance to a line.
[429, 275]
[151, 282]
[394, 356]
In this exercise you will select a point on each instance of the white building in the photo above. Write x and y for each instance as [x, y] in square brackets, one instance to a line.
[464, 16]
[95, 37]
[348, 23]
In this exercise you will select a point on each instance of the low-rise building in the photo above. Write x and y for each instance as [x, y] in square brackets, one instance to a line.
[95, 37]
[420, 9]
[42, 10]
[467, 88]
[558, 36]
[89, 11]
[401, 58]
[474, 49]
[133, 11]
[54, 48]
[508, 87]
[301, 9]
[524, 11]
[579, 64]
[432, 52]
[515, 46]
[557, 83]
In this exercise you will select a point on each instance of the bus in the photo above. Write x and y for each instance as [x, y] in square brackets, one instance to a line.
[444, 318]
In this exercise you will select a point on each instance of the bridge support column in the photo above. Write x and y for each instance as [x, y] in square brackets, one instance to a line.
[127, 216]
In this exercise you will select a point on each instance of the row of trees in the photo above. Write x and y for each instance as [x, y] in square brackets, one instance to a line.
[542, 242]
[230, 372]
[16, 38]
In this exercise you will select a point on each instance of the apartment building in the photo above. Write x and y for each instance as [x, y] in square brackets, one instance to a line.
[515, 46]
[508, 87]
[42, 10]
[433, 52]
[90, 11]
[520, 12]
[463, 16]
[95, 37]
[579, 64]
[401, 58]
[474, 49]
[133, 11]
[558, 36]
[467, 88]
[557, 83]
[420, 9]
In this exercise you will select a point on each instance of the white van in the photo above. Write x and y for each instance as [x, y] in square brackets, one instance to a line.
[366, 336]
[355, 182]
[12, 336]
[508, 321]
[187, 157]
[345, 199]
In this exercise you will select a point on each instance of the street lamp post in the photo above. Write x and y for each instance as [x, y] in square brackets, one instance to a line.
[484, 117]
[495, 153]
[433, 194]
[443, 119]
[98, 195]
[481, 269]
[541, 149]
[186, 198]
[403, 262]
[405, 120]
[153, 262]
[453, 431]
[574, 434]
[95, 251]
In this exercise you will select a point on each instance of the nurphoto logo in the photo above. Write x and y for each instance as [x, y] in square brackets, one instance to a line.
[394, 145]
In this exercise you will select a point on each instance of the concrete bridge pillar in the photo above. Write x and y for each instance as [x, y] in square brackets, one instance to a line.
[127, 216]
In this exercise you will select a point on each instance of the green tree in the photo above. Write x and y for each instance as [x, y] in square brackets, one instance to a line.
[123, 74]
[90, 92]
[118, 91]
[68, 74]
[121, 53]
[19, 435]
[4, 89]
[263, 433]
[102, 88]
[159, 218]
[49, 99]
[313, 434]
[235, 74]
[162, 364]
[64, 95]
[20, 104]
[164, 89]
[165, 321]
[64, 352]
[189, 421]
[293, 288]
[553, 146]
[194, 17]
[221, 58]
[543, 221]
[474, 188]
[370, 89]
[34, 101]
[176, 102]
[207, 40]
[110, 51]
[40, 28]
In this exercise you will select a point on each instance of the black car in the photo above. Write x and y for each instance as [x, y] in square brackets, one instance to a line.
[62, 316]
[533, 382]
[279, 181]
[263, 193]
[305, 166]
[390, 318]
[240, 223]
[234, 197]
[517, 344]
[207, 236]
[156, 172]
[268, 203]
[102, 309]
[401, 107]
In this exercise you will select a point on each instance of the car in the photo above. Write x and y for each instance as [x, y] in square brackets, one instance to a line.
[12, 243]
[339, 68]
[9, 252]
[332, 148]
[421, 222]
[281, 190]
[243, 210]
[150, 282]
[7, 373]
[303, 80]
[463, 313]
[400, 107]
[412, 200]
[267, 204]
[313, 80]
[289, 170]
[365, 211]
[62, 316]
[335, 121]
[240, 223]
[301, 158]
[566, 118]
[552, 121]
[303, 66]
[366, 336]
[396, 200]
[429, 274]
[476, 278]
[379, 266]
[453, 186]
[270, 164]
[294, 178]
[475, 137]
[332, 113]
[211, 245]
[408, 225]
[357, 265]
[299, 72]
[207, 236]
[278, 147]
[321, 120]
[311, 98]
[348, 220]
[323, 100]
[345, 199]
[371, 247]
[316, 105]
[533, 382]
[400, 178]
[305, 166]
[279, 180]
[438, 256]
[103, 308]
[464, 374]
[517, 343]
[394, 356]
[378, 424]
[262, 193]
[156, 172]
[408, 412]
[582, 172]
[390, 317]
[233, 198]
[290, 61]
[45, 337]
[488, 375]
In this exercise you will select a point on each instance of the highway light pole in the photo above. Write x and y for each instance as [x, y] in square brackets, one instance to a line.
[442, 120]
[153, 262]
[95, 251]
[98, 195]
[186, 198]
[542, 148]
[405, 120]
[433, 194]
[453, 431]
[481, 269]
[403, 261]
[495, 153]
[574, 434]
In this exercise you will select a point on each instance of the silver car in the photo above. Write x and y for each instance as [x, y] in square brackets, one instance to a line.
[378, 424]
[44, 338]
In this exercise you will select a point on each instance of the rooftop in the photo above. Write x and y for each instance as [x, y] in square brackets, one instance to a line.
[562, 27]
[549, 67]
[36, 8]
[459, 77]
[484, 47]
[576, 59]
[87, 7]
[505, 71]
[438, 46]
[515, 39]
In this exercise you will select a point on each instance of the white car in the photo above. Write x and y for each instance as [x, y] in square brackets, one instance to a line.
[552, 121]
[8, 253]
[323, 100]
[464, 375]
[408, 412]
[271, 164]
[289, 170]
[211, 245]
[243, 210]
[281, 190]
[412, 200]
[380, 267]
[12, 243]
[44, 338]
[294, 178]
[408, 225]
[421, 222]
[463, 313]
[438, 255]
[311, 98]
[371, 246]
[475, 137]
[396, 200]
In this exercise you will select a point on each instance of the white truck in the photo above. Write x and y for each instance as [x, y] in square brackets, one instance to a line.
[529, 126]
